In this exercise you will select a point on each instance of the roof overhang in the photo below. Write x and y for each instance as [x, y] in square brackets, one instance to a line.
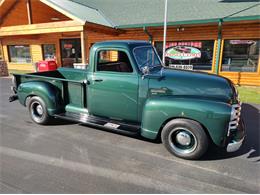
[66, 13]
[54, 27]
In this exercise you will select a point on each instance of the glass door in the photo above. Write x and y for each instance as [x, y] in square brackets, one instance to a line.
[70, 52]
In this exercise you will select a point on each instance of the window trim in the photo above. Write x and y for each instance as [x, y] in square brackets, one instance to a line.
[236, 72]
[113, 49]
[9, 55]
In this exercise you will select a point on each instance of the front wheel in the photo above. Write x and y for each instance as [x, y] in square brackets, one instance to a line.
[185, 138]
[38, 111]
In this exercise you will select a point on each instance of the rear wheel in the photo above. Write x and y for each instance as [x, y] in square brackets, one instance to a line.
[38, 111]
[185, 138]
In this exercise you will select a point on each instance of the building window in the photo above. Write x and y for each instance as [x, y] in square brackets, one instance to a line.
[191, 55]
[240, 55]
[19, 54]
[49, 52]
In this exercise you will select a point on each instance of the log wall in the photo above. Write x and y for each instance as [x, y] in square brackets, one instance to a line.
[35, 42]
[202, 32]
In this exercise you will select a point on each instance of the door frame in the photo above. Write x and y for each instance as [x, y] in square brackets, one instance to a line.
[60, 42]
[94, 72]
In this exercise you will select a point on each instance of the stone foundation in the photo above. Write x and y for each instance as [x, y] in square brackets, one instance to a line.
[3, 69]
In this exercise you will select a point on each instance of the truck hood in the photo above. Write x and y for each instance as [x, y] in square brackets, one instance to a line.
[189, 83]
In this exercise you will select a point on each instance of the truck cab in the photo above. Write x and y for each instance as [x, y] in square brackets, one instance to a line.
[126, 88]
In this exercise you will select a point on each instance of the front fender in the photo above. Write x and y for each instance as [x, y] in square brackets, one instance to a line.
[50, 94]
[213, 115]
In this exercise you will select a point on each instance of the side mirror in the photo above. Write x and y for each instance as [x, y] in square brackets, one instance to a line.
[145, 70]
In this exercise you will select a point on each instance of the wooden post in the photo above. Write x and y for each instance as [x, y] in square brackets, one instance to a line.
[29, 11]
[83, 47]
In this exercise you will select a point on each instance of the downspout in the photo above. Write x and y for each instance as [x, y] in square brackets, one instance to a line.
[219, 45]
[149, 34]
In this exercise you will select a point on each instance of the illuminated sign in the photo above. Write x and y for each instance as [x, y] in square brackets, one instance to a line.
[183, 53]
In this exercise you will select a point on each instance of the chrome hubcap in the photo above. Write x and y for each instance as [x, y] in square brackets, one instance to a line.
[39, 109]
[183, 138]
[182, 141]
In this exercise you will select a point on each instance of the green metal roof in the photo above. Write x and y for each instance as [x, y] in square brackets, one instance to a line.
[139, 13]
[82, 12]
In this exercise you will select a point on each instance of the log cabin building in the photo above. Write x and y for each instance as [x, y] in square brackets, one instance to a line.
[218, 36]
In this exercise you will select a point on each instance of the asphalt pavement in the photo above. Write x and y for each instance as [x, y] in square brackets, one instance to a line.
[72, 158]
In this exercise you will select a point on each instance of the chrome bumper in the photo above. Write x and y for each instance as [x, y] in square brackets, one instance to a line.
[234, 145]
[237, 138]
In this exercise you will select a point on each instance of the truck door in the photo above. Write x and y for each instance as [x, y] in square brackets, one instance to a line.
[113, 88]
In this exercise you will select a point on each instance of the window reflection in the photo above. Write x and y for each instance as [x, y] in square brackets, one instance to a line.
[240, 55]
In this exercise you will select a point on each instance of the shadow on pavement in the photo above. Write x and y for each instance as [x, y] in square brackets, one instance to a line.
[251, 144]
[58, 121]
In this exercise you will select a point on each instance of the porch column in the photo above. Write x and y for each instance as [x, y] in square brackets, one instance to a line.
[83, 46]
[29, 11]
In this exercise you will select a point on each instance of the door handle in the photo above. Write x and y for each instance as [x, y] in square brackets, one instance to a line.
[98, 80]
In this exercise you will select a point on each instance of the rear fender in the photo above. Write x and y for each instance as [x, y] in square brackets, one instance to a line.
[212, 115]
[50, 94]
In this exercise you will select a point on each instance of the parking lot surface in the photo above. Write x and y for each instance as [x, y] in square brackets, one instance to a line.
[72, 158]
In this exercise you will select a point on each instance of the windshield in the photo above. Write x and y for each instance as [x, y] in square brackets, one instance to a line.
[146, 56]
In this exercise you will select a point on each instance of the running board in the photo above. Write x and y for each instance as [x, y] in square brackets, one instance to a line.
[115, 125]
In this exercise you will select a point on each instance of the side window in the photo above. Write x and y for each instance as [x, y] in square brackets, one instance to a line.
[113, 61]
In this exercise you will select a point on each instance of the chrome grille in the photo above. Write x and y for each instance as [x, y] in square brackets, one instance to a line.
[234, 118]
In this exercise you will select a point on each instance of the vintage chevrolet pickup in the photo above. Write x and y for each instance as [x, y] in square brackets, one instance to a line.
[126, 88]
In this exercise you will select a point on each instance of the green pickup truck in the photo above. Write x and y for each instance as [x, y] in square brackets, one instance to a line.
[126, 88]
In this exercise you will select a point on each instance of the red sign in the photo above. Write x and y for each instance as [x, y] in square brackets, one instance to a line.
[197, 44]
[68, 46]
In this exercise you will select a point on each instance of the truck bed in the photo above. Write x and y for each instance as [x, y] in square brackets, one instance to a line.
[63, 73]
[70, 82]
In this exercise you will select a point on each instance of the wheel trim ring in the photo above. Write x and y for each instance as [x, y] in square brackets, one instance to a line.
[176, 148]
